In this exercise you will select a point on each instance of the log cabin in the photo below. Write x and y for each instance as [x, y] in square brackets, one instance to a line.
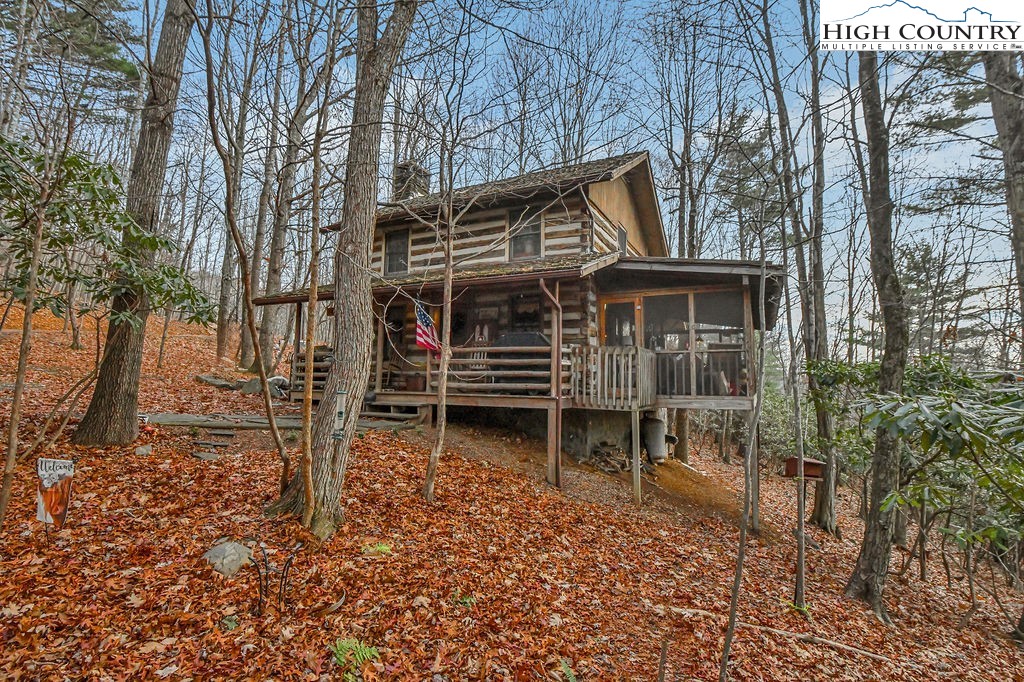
[565, 302]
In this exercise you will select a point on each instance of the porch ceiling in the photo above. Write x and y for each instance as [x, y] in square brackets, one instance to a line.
[641, 273]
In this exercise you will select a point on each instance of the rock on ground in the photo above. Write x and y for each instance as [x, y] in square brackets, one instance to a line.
[228, 557]
[251, 387]
[215, 381]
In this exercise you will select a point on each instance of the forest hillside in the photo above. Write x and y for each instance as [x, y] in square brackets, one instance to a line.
[501, 578]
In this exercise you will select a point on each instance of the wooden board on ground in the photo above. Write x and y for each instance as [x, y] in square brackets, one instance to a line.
[259, 423]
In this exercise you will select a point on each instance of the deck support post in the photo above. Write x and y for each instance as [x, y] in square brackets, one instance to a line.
[748, 337]
[682, 452]
[295, 369]
[554, 476]
[555, 411]
[635, 424]
[379, 361]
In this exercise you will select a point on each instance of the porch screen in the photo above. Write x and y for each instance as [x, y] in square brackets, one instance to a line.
[720, 351]
[666, 332]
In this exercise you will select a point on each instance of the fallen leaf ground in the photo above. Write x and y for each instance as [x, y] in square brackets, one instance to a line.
[501, 578]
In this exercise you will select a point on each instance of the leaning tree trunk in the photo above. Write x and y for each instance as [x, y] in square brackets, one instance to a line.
[869, 575]
[24, 350]
[375, 64]
[227, 271]
[1006, 91]
[112, 417]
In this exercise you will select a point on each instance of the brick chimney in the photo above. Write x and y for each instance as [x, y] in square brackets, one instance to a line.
[410, 180]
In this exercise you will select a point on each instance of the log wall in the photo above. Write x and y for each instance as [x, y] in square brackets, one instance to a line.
[481, 237]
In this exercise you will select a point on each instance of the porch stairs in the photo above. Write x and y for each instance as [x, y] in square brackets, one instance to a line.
[400, 415]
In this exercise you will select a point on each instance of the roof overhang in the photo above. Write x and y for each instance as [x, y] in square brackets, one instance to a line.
[505, 273]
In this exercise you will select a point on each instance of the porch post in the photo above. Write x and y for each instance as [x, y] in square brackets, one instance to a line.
[635, 424]
[379, 362]
[683, 431]
[554, 448]
[748, 333]
[693, 346]
[296, 346]
[555, 411]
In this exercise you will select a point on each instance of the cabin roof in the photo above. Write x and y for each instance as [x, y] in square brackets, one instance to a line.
[560, 178]
[546, 182]
[561, 267]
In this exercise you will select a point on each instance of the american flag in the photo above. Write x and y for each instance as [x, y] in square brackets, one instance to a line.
[426, 333]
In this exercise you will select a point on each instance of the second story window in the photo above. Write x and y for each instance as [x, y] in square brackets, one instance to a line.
[525, 230]
[623, 242]
[396, 252]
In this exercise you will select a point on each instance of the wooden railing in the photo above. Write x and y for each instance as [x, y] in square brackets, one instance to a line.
[512, 370]
[602, 377]
[612, 377]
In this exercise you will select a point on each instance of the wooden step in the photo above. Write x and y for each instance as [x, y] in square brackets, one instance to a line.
[399, 416]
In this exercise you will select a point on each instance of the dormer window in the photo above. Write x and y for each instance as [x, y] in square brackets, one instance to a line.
[525, 230]
[396, 252]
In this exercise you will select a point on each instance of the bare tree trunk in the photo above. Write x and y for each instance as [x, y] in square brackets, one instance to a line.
[443, 365]
[241, 124]
[349, 373]
[283, 210]
[24, 349]
[1006, 92]
[798, 434]
[263, 206]
[28, 28]
[815, 328]
[869, 576]
[112, 416]
[227, 156]
[227, 271]
[306, 464]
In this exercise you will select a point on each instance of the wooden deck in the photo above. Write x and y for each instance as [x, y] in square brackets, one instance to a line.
[623, 378]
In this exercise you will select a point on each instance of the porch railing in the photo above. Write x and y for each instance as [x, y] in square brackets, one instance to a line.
[612, 377]
[511, 370]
